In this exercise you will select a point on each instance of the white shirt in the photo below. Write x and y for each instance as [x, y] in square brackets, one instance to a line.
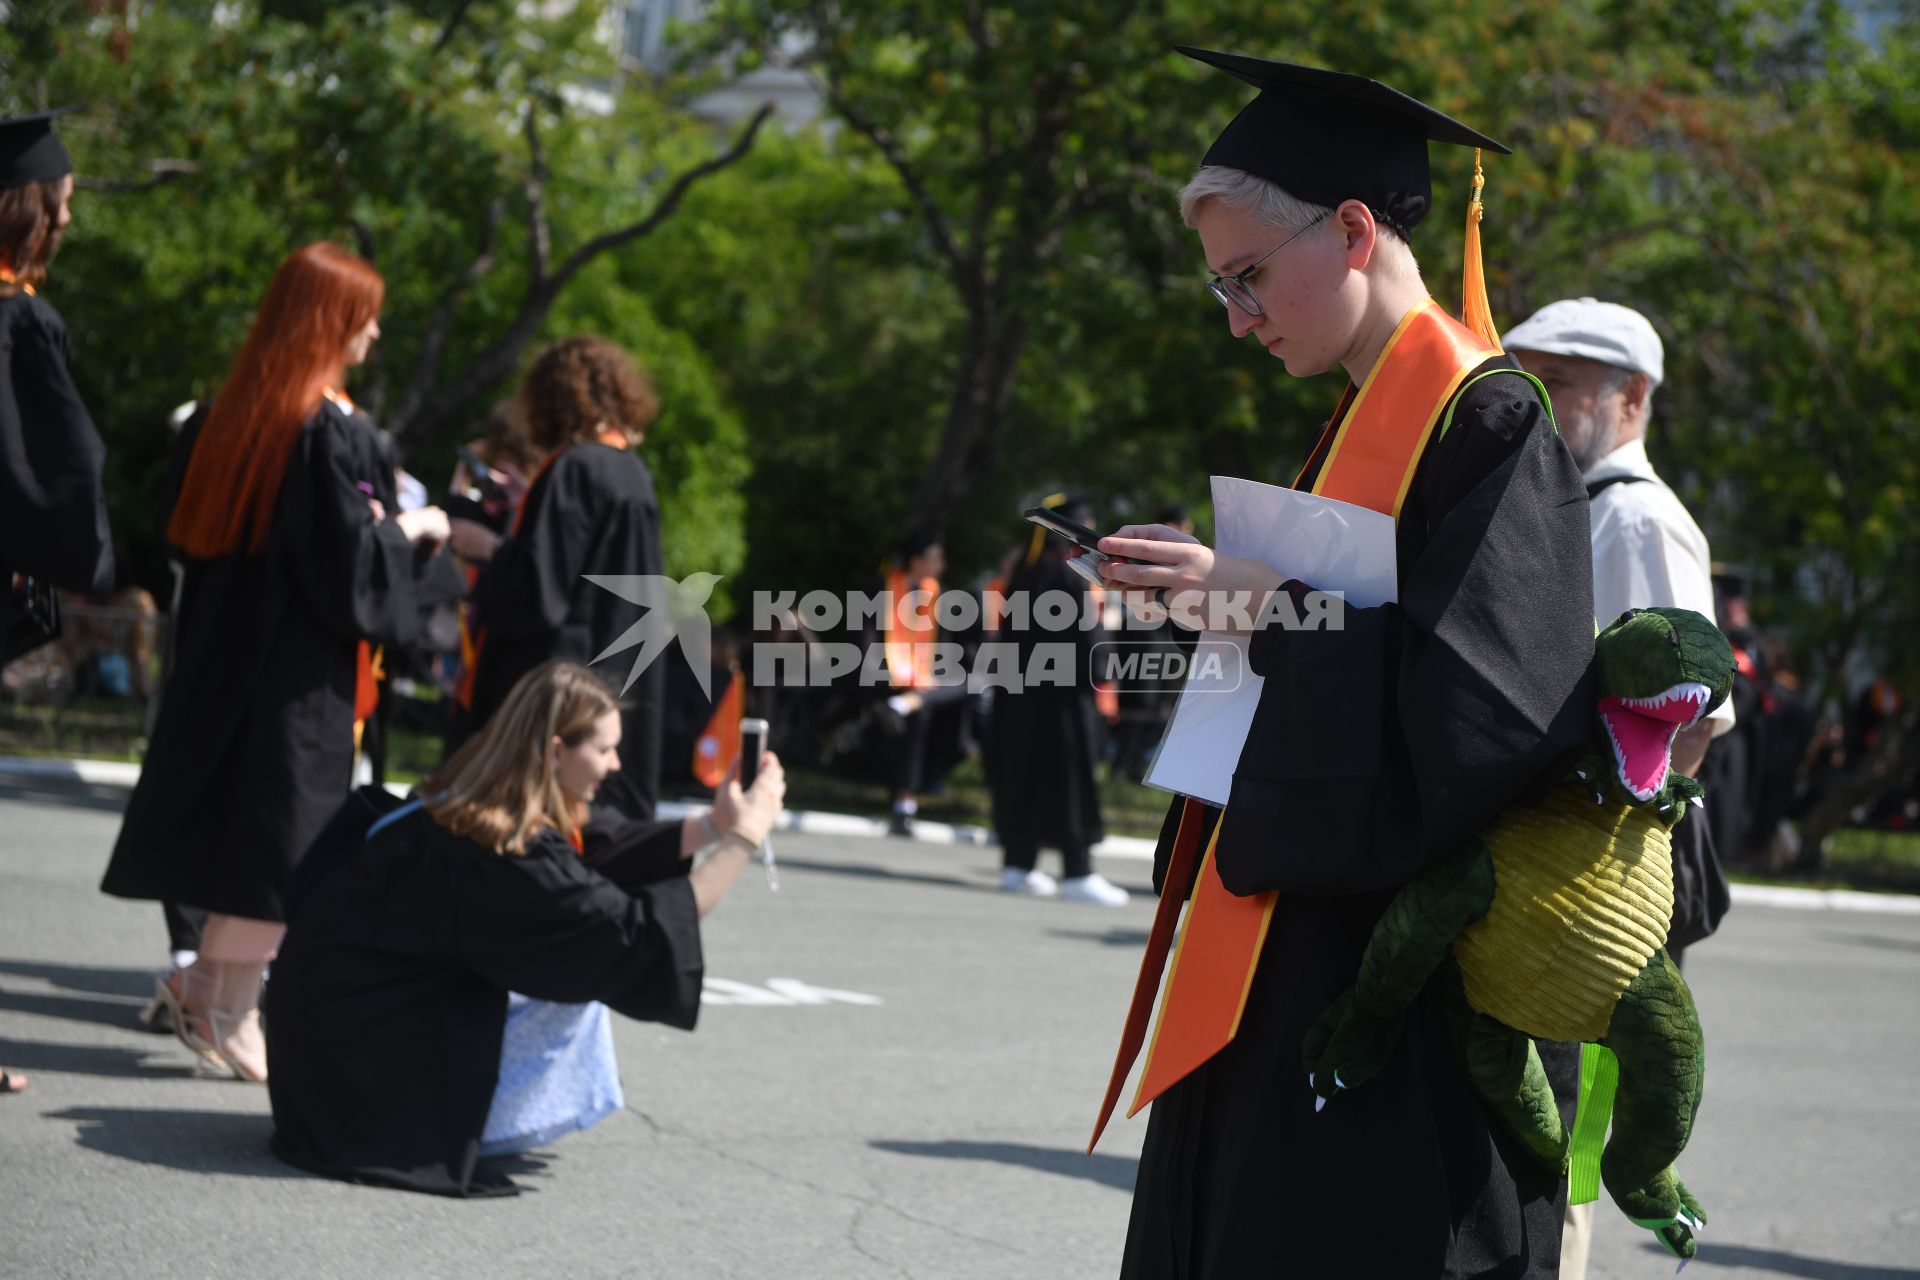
[1647, 551]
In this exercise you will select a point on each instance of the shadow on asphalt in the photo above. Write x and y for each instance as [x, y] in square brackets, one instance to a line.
[101, 1060]
[192, 1141]
[64, 793]
[118, 1014]
[867, 871]
[1112, 1171]
[1871, 940]
[136, 984]
[1789, 1264]
[1129, 938]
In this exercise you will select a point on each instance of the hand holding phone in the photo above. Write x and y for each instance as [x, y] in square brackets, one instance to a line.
[1087, 563]
[753, 745]
[479, 474]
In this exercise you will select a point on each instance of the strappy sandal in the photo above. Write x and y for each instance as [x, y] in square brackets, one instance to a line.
[173, 1001]
[244, 1061]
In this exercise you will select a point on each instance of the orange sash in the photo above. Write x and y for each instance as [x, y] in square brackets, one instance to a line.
[1377, 436]
[910, 632]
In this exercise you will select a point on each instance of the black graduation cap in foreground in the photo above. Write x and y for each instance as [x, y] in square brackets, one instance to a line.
[30, 151]
[1326, 136]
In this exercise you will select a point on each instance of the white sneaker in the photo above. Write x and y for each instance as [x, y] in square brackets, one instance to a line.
[1096, 889]
[1036, 883]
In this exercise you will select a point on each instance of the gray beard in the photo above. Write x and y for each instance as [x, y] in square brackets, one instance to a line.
[1595, 442]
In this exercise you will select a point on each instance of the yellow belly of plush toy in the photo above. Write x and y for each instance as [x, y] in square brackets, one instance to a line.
[1584, 894]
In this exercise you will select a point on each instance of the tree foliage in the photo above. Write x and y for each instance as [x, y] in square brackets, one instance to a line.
[970, 287]
[439, 140]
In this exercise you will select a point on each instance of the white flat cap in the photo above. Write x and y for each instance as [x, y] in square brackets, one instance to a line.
[1593, 330]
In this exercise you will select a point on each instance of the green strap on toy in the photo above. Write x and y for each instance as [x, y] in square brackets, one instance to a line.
[1447, 421]
[1599, 1076]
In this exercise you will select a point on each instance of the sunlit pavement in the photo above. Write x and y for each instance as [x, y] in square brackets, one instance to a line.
[895, 1076]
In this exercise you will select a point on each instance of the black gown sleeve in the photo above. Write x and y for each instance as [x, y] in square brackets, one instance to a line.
[547, 926]
[1381, 745]
[53, 512]
[527, 587]
[356, 573]
[636, 854]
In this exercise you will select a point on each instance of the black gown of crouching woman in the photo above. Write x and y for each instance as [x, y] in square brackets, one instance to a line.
[388, 1003]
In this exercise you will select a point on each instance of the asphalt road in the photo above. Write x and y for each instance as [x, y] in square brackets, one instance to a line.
[894, 1077]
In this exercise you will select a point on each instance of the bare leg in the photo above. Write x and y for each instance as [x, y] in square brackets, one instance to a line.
[220, 994]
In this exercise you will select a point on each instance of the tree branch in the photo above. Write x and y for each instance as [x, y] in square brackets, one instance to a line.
[426, 367]
[158, 172]
[498, 360]
[539, 233]
[965, 266]
[454, 19]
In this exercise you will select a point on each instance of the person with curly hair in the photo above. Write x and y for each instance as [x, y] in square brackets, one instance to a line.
[591, 510]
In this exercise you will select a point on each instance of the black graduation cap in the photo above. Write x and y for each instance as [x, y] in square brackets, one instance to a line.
[30, 151]
[1326, 136]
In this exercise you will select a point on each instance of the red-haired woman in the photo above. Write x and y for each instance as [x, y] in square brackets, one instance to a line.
[294, 566]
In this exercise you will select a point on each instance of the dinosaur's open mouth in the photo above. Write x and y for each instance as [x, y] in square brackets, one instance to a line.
[1642, 732]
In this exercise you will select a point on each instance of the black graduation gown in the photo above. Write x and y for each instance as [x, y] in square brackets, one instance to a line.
[592, 512]
[388, 1001]
[1043, 742]
[253, 748]
[1374, 750]
[53, 512]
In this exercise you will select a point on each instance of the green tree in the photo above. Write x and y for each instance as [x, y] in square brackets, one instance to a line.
[219, 137]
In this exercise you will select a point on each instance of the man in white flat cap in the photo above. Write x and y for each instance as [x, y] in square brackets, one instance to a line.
[1600, 363]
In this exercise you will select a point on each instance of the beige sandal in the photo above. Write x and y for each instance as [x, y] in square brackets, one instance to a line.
[167, 996]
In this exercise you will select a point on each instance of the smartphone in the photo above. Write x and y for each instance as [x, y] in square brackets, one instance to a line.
[479, 474]
[1087, 563]
[1078, 534]
[753, 744]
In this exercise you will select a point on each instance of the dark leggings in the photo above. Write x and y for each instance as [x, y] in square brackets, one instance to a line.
[1021, 855]
[184, 924]
[910, 765]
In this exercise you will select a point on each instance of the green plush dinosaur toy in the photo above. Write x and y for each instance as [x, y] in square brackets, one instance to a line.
[1553, 923]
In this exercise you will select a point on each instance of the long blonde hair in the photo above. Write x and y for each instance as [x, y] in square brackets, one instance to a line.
[499, 789]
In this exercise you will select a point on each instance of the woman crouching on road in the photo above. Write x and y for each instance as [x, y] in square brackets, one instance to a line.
[392, 1056]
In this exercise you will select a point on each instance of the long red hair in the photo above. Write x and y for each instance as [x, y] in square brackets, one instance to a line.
[320, 298]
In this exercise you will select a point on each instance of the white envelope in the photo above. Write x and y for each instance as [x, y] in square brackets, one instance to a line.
[1331, 546]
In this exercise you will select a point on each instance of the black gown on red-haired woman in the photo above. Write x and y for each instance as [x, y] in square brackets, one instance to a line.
[253, 749]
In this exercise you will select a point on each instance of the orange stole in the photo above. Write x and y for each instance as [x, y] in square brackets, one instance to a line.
[908, 633]
[1378, 437]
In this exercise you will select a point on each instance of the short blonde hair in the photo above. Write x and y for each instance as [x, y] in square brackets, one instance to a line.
[1274, 206]
[499, 789]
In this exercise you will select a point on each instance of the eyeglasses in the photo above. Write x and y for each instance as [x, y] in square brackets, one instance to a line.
[1234, 291]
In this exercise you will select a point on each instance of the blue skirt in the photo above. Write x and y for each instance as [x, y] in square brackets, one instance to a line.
[557, 1074]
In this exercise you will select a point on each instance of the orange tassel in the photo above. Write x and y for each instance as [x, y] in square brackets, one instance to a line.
[1475, 311]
